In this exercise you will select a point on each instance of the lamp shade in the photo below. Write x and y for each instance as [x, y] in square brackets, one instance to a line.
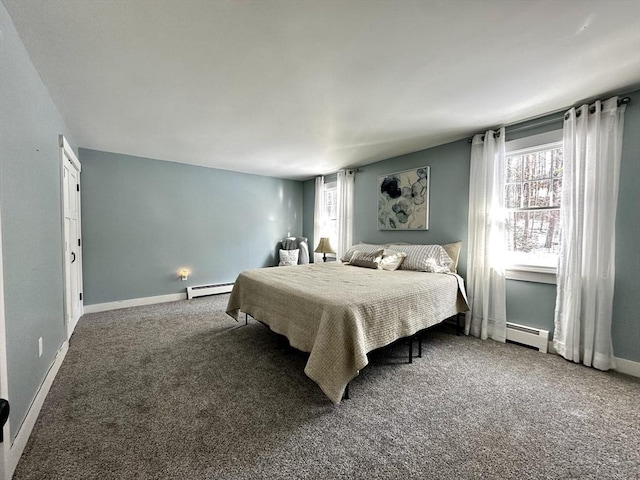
[324, 246]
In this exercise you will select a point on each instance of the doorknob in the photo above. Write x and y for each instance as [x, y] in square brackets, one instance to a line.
[73, 259]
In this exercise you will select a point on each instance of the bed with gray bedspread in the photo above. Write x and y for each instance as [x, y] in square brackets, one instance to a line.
[338, 313]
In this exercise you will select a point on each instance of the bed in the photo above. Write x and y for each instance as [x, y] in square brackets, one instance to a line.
[340, 312]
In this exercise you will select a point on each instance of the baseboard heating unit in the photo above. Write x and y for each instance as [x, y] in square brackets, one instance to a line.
[205, 290]
[532, 337]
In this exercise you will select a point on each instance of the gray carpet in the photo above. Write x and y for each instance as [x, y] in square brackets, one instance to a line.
[180, 391]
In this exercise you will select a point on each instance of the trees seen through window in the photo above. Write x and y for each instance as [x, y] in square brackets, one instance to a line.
[533, 186]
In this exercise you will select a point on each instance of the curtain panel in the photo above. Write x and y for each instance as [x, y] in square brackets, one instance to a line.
[346, 181]
[487, 317]
[318, 215]
[592, 137]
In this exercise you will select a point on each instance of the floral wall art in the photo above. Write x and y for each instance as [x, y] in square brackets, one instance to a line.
[403, 200]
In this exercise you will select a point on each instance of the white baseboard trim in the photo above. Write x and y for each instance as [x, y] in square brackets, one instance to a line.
[24, 432]
[628, 367]
[134, 302]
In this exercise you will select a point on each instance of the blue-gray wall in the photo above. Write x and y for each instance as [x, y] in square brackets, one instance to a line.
[143, 220]
[448, 199]
[626, 306]
[527, 303]
[31, 221]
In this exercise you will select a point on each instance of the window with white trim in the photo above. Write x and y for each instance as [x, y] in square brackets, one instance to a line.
[532, 190]
[330, 211]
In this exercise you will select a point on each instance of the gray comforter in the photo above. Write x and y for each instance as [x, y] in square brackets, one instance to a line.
[338, 312]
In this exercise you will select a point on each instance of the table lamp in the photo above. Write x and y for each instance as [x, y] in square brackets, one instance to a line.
[324, 247]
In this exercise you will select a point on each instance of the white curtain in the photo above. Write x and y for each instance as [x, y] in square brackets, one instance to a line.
[346, 181]
[586, 268]
[485, 271]
[318, 216]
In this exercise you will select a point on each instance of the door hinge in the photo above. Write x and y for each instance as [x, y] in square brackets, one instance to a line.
[77, 187]
[78, 242]
[80, 295]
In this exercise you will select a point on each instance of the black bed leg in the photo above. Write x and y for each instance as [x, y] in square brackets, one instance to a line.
[246, 318]
[459, 324]
[345, 396]
[419, 345]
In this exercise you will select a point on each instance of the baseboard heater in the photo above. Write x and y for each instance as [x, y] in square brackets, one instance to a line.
[205, 290]
[532, 337]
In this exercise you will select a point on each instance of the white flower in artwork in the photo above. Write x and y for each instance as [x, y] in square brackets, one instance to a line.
[403, 200]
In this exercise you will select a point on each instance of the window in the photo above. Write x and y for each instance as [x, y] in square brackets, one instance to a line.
[330, 210]
[331, 203]
[532, 190]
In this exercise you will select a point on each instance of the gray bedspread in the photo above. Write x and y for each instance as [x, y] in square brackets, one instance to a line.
[339, 312]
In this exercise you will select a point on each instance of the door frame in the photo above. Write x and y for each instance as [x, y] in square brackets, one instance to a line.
[67, 152]
[5, 446]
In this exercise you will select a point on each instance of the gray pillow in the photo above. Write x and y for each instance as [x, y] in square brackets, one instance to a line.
[362, 247]
[366, 259]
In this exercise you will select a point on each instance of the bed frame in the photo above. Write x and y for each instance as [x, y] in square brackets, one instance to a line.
[416, 337]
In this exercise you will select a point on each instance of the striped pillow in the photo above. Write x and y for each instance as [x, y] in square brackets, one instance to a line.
[424, 258]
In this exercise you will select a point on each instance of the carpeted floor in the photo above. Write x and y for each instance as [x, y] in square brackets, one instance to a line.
[181, 391]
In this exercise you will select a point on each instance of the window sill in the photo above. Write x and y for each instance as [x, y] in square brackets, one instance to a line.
[531, 274]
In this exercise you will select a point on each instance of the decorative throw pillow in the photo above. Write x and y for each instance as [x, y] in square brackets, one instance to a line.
[366, 259]
[433, 267]
[424, 258]
[392, 261]
[289, 257]
[362, 247]
[453, 250]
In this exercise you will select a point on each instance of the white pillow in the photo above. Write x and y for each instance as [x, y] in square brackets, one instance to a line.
[432, 266]
[289, 257]
[392, 261]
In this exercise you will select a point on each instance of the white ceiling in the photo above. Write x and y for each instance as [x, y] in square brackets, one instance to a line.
[299, 88]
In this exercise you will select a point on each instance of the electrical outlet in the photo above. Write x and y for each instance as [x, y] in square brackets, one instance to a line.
[40, 347]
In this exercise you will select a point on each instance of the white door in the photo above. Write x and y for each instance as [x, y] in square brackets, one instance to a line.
[72, 238]
[4, 385]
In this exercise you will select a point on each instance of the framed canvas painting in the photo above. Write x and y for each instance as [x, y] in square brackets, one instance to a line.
[403, 200]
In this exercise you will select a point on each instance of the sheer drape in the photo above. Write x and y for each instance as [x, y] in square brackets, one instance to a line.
[346, 181]
[318, 215]
[586, 269]
[485, 274]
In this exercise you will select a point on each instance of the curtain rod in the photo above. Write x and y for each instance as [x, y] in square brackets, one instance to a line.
[352, 170]
[592, 109]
